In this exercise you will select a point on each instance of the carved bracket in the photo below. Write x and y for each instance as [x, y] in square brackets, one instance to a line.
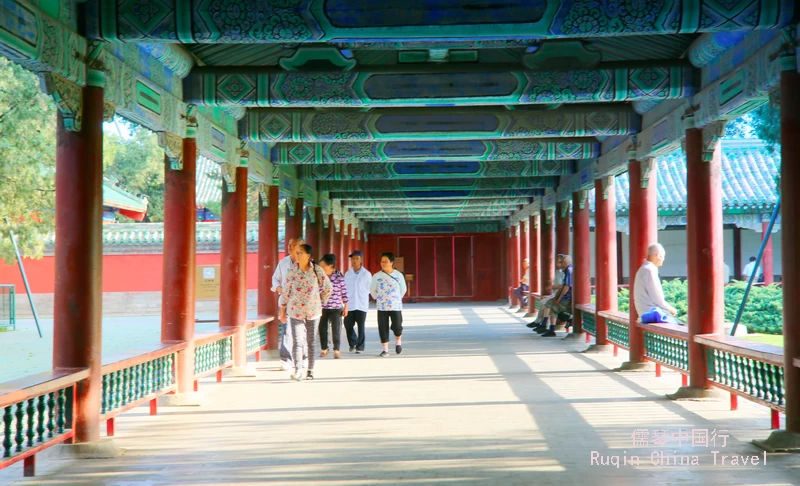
[607, 183]
[290, 206]
[548, 216]
[68, 98]
[516, 229]
[312, 215]
[647, 165]
[526, 225]
[173, 148]
[583, 197]
[563, 209]
[191, 121]
[711, 136]
[229, 175]
[109, 110]
[244, 153]
[263, 191]
[536, 221]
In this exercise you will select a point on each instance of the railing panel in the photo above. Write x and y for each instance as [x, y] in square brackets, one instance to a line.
[257, 333]
[37, 413]
[588, 318]
[213, 352]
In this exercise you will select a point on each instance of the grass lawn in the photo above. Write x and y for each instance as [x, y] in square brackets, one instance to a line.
[774, 339]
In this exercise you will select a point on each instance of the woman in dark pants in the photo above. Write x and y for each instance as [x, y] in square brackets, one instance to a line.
[388, 288]
[334, 309]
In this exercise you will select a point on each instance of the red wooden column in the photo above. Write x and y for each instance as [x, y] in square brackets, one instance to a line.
[324, 245]
[233, 263]
[704, 248]
[348, 249]
[581, 276]
[180, 240]
[643, 231]
[293, 222]
[562, 228]
[605, 231]
[547, 255]
[77, 323]
[514, 273]
[789, 438]
[268, 261]
[337, 239]
[534, 245]
[330, 232]
[767, 267]
[524, 243]
[313, 231]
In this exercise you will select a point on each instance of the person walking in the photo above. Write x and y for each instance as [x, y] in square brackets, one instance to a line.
[278, 284]
[307, 287]
[334, 308]
[388, 288]
[357, 280]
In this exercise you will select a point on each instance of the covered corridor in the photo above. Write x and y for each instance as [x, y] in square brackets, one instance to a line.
[474, 399]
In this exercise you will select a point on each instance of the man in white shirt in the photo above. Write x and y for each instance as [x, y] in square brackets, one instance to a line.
[278, 282]
[357, 281]
[726, 273]
[558, 282]
[749, 269]
[647, 291]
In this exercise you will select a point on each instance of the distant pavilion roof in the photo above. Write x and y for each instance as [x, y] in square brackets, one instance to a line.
[129, 205]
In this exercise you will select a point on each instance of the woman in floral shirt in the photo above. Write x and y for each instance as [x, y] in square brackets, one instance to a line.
[307, 287]
[334, 309]
[388, 288]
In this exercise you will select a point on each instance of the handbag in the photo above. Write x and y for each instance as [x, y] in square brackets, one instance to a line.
[653, 316]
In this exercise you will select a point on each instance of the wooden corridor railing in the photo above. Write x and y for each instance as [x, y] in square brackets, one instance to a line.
[38, 411]
[743, 368]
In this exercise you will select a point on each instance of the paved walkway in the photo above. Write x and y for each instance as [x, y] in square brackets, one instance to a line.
[475, 398]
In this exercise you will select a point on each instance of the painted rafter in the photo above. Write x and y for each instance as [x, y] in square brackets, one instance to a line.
[268, 125]
[412, 228]
[456, 194]
[439, 184]
[361, 205]
[298, 21]
[380, 171]
[466, 150]
[456, 84]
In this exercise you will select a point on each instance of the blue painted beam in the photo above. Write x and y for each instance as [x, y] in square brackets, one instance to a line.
[298, 21]
[379, 171]
[439, 184]
[449, 85]
[453, 194]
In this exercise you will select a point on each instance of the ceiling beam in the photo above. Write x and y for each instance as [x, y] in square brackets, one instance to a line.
[458, 194]
[439, 184]
[379, 171]
[410, 151]
[306, 21]
[384, 124]
[361, 205]
[432, 84]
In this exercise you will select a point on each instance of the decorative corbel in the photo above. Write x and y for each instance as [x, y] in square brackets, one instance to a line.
[244, 153]
[290, 206]
[583, 196]
[526, 225]
[536, 218]
[191, 121]
[647, 166]
[548, 215]
[312, 215]
[711, 136]
[263, 191]
[607, 183]
[516, 229]
[96, 64]
[173, 148]
[563, 209]
[68, 98]
[229, 175]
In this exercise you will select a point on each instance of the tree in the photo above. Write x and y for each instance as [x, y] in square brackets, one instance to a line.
[766, 121]
[27, 164]
[137, 163]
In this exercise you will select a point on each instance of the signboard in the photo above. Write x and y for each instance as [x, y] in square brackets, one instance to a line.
[207, 282]
[399, 264]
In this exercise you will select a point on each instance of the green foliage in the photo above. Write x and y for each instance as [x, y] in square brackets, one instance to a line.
[137, 163]
[763, 312]
[766, 122]
[27, 164]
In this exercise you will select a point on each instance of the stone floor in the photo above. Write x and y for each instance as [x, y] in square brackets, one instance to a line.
[475, 398]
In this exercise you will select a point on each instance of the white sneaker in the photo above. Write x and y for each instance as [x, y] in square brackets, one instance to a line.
[286, 366]
[297, 375]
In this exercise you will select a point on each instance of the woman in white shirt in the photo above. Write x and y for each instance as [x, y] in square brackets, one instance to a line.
[388, 288]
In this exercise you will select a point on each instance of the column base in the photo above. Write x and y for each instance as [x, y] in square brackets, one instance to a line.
[573, 336]
[101, 449]
[189, 399]
[522, 309]
[529, 314]
[780, 441]
[273, 353]
[699, 394]
[239, 372]
[598, 349]
[637, 367]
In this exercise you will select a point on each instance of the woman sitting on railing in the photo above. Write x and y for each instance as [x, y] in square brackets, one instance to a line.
[307, 287]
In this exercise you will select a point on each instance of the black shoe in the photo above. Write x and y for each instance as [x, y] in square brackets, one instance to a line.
[383, 354]
[532, 325]
[398, 349]
[541, 329]
[567, 325]
[359, 351]
[310, 375]
[549, 333]
[352, 348]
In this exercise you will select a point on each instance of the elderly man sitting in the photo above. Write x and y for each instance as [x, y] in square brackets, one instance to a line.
[647, 292]
[541, 319]
[521, 292]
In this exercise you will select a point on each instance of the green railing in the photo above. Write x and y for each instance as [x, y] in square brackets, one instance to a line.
[37, 412]
[213, 352]
[132, 381]
[751, 370]
[8, 308]
[667, 345]
[256, 337]
[617, 329]
[588, 318]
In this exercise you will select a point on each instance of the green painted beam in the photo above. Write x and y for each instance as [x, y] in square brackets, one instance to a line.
[361, 205]
[314, 21]
[403, 195]
[380, 171]
[412, 151]
[439, 184]
[443, 215]
[435, 84]
[415, 228]
[269, 125]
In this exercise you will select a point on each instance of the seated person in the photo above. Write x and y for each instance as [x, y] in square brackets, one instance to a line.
[521, 292]
[647, 291]
[562, 302]
[558, 280]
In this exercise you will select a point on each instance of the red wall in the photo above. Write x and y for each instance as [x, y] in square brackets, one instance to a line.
[446, 267]
[121, 273]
